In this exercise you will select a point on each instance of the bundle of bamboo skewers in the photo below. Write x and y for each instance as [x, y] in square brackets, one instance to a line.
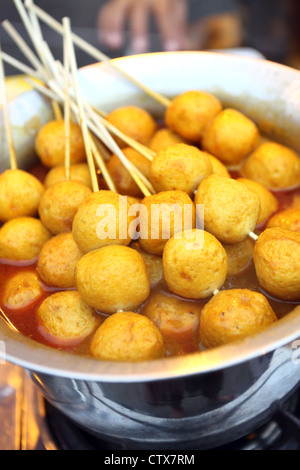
[59, 82]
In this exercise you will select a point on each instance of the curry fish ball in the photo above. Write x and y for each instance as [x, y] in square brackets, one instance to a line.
[288, 219]
[217, 166]
[177, 319]
[20, 194]
[50, 143]
[127, 336]
[232, 315]
[230, 136]
[59, 205]
[22, 239]
[164, 138]
[195, 265]
[22, 290]
[113, 278]
[277, 262]
[179, 167]
[134, 122]
[161, 216]
[67, 317]
[102, 219]
[124, 182]
[189, 113]
[239, 255]
[268, 202]
[274, 166]
[231, 210]
[78, 172]
[153, 265]
[57, 261]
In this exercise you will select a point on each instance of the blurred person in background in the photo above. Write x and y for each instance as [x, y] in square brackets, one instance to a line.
[179, 24]
[122, 27]
[269, 26]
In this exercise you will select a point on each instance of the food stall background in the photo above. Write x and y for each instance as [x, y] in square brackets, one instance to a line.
[270, 27]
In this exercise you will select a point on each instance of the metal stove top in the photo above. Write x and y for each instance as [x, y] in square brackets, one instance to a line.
[28, 422]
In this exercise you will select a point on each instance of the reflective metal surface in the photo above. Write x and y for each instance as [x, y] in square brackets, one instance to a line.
[202, 411]
[28, 112]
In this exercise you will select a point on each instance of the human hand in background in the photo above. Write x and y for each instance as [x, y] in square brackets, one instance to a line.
[170, 17]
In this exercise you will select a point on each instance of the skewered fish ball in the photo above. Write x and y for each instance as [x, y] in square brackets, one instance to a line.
[20, 194]
[195, 265]
[66, 317]
[60, 203]
[217, 167]
[161, 216]
[57, 261]
[22, 239]
[153, 265]
[78, 172]
[50, 143]
[22, 290]
[239, 256]
[277, 263]
[189, 113]
[177, 320]
[288, 219]
[179, 167]
[232, 315]
[134, 122]
[230, 136]
[164, 138]
[124, 182]
[127, 336]
[268, 202]
[113, 278]
[102, 219]
[231, 210]
[274, 166]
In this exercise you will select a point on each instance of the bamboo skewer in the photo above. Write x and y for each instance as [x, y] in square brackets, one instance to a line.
[34, 32]
[94, 52]
[21, 66]
[35, 23]
[103, 150]
[30, 29]
[101, 164]
[253, 236]
[83, 123]
[67, 106]
[5, 107]
[41, 88]
[23, 46]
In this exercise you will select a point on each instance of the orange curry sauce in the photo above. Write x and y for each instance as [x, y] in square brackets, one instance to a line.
[178, 343]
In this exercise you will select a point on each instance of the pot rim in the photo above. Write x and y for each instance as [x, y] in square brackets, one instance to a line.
[25, 352]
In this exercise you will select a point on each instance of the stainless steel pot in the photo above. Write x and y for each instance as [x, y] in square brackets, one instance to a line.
[200, 400]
